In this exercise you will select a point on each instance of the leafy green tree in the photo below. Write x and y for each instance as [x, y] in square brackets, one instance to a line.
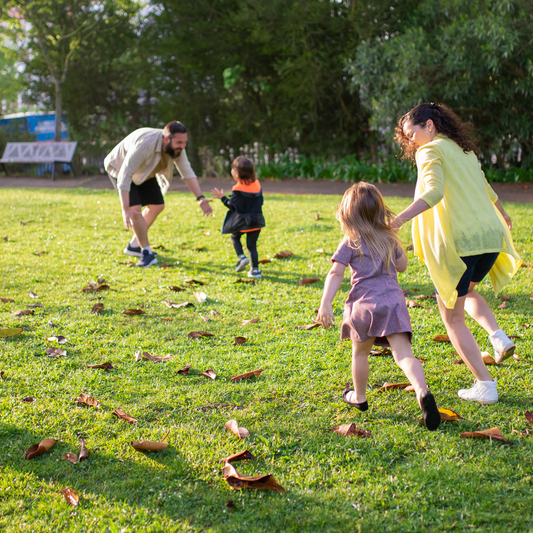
[10, 83]
[476, 57]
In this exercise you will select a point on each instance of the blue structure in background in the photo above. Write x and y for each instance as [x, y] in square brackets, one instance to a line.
[41, 124]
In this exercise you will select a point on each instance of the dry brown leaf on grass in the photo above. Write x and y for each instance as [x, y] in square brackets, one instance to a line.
[406, 292]
[132, 312]
[239, 340]
[409, 248]
[35, 305]
[526, 434]
[317, 216]
[91, 287]
[33, 295]
[388, 386]
[84, 454]
[151, 446]
[242, 280]
[412, 303]
[97, 309]
[238, 482]
[185, 370]
[381, 351]
[492, 433]
[58, 338]
[503, 305]
[174, 305]
[505, 297]
[310, 326]
[409, 388]
[441, 338]
[119, 413]
[205, 318]
[233, 426]
[525, 265]
[201, 297]
[198, 334]
[251, 321]
[421, 359]
[55, 352]
[195, 282]
[447, 415]
[38, 449]
[209, 373]
[9, 332]
[7, 300]
[85, 399]
[529, 417]
[176, 288]
[139, 354]
[308, 281]
[106, 366]
[70, 457]
[247, 375]
[241, 456]
[420, 297]
[264, 261]
[159, 247]
[283, 254]
[350, 430]
[71, 496]
[24, 312]
[39, 253]
[488, 359]
[28, 399]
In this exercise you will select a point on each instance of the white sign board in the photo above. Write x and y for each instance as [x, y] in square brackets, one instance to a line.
[39, 152]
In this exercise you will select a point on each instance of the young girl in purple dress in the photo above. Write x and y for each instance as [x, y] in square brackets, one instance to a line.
[375, 312]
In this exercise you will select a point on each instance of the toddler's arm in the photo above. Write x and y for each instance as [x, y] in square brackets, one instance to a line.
[333, 282]
[400, 262]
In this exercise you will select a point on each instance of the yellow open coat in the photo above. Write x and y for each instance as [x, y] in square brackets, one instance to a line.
[463, 220]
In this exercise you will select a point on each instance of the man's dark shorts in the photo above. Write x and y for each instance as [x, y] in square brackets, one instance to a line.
[147, 193]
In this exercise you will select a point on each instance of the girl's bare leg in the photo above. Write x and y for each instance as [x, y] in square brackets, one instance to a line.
[360, 369]
[477, 307]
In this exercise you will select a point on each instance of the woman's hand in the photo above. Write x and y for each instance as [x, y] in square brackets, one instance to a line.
[395, 224]
[218, 193]
[325, 315]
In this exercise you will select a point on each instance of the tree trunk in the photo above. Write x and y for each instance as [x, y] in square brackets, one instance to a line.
[59, 111]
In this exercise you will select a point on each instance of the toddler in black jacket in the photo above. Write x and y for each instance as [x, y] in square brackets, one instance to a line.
[245, 213]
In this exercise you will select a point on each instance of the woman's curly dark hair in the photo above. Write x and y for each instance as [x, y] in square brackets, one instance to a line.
[446, 122]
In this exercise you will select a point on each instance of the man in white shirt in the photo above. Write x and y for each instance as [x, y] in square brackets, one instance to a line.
[141, 169]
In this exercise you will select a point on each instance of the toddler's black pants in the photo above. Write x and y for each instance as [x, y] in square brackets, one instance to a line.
[251, 244]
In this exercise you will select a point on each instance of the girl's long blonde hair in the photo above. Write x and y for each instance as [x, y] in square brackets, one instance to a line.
[364, 217]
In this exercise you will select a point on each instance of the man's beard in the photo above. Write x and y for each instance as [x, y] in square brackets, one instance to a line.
[172, 153]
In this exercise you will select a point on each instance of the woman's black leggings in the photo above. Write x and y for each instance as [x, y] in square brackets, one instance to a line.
[251, 244]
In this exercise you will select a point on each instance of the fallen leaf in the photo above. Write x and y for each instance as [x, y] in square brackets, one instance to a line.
[409, 248]
[160, 247]
[412, 303]
[131, 312]
[85, 399]
[317, 216]
[488, 359]
[514, 336]
[170, 339]
[246, 375]
[58, 338]
[200, 249]
[28, 399]
[105, 366]
[205, 318]
[447, 415]
[241, 280]
[167, 320]
[33, 295]
[70, 457]
[503, 305]
[232, 426]
[505, 297]
[24, 312]
[209, 373]
[516, 357]
[9, 332]
[39, 253]
[151, 446]
[91, 287]
[420, 297]
[118, 412]
[241, 456]
[55, 352]
[251, 321]
[283, 254]
[308, 281]
[171, 305]
[406, 292]
[238, 482]
[35, 305]
[176, 288]
[239, 340]
[388, 386]
[421, 360]
[71, 496]
[2, 374]
[185, 370]
[525, 265]
[350, 430]
[441, 338]
[230, 504]
[214, 313]
[381, 351]
[84, 454]
[409, 388]
[310, 326]
[139, 354]
[164, 266]
[264, 261]
[195, 282]
[529, 416]
[433, 295]
[97, 309]
[201, 297]
[39, 449]
[198, 334]
[319, 251]
[492, 433]
[526, 434]
[7, 300]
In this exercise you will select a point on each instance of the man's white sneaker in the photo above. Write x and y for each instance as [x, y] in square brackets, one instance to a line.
[503, 346]
[484, 392]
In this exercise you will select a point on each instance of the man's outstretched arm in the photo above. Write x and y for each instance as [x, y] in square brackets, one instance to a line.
[194, 187]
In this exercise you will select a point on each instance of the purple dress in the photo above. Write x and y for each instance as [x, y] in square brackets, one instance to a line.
[376, 305]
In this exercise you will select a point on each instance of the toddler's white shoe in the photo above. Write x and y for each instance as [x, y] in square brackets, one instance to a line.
[484, 392]
[503, 346]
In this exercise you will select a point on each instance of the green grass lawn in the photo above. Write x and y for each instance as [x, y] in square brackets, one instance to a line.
[403, 478]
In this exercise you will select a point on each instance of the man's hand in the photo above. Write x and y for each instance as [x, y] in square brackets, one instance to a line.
[325, 315]
[206, 208]
[127, 217]
[218, 193]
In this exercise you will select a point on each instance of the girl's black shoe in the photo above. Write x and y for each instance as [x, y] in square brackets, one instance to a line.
[430, 411]
[361, 406]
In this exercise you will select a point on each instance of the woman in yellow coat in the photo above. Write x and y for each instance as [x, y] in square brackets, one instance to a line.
[460, 231]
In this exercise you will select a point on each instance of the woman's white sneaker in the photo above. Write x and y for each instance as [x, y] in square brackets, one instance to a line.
[503, 346]
[484, 392]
